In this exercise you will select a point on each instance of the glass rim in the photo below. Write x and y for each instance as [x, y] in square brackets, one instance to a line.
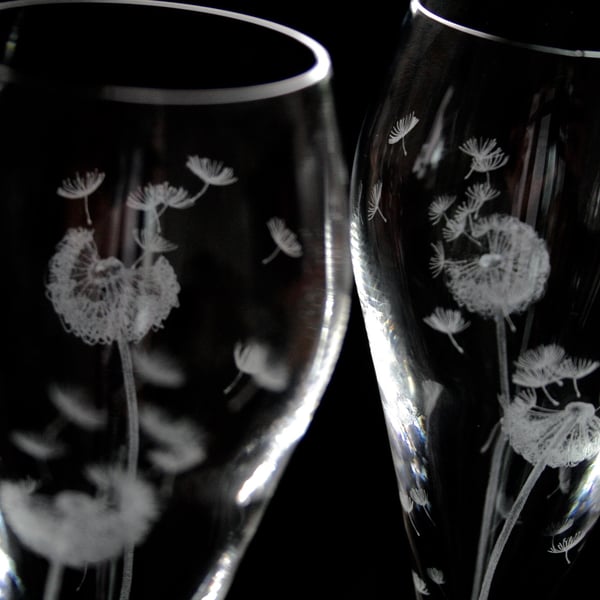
[320, 70]
[416, 6]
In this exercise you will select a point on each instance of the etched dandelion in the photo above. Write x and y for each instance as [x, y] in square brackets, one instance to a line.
[373, 207]
[285, 240]
[485, 155]
[212, 172]
[448, 321]
[401, 129]
[505, 274]
[81, 187]
[74, 528]
[545, 437]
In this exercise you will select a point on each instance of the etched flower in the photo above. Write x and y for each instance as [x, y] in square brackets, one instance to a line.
[420, 585]
[37, 445]
[155, 198]
[75, 528]
[539, 367]
[401, 128]
[485, 155]
[545, 437]
[75, 405]
[566, 544]
[180, 445]
[506, 273]
[152, 241]
[436, 575]
[212, 172]
[558, 438]
[285, 240]
[254, 358]
[448, 321]
[157, 368]
[479, 194]
[437, 262]
[438, 209]
[100, 300]
[374, 201]
[81, 187]
[577, 368]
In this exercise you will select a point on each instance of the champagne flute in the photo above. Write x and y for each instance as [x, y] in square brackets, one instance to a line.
[177, 288]
[476, 254]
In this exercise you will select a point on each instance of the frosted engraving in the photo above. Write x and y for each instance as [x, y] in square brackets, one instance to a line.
[103, 300]
[495, 266]
[402, 127]
[285, 240]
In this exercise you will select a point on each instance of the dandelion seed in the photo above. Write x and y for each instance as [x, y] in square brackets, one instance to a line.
[159, 369]
[420, 585]
[152, 241]
[436, 575]
[420, 498]
[212, 172]
[37, 445]
[566, 544]
[480, 193]
[156, 198]
[374, 200]
[253, 358]
[81, 187]
[285, 240]
[485, 155]
[540, 367]
[447, 321]
[75, 405]
[437, 262]
[401, 128]
[439, 207]
[181, 445]
[577, 368]
[506, 273]
[408, 506]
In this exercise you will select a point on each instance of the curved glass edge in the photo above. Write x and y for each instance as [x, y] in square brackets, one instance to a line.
[320, 72]
[417, 7]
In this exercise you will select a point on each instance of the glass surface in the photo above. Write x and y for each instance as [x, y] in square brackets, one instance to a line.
[175, 239]
[476, 249]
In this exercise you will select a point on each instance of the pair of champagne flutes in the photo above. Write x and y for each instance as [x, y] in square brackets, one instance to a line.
[179, 244]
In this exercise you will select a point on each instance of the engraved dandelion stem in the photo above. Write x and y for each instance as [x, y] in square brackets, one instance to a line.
[509, 524]
[53, 580]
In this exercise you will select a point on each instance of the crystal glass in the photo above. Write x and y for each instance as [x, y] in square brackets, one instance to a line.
[475, 236]
[175, 237]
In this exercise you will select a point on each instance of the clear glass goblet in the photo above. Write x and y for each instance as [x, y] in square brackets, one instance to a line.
[476, 249]
[177, 279]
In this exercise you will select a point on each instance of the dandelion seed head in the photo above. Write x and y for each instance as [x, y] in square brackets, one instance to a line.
[74, 528]
[100, 300]
[506, 274]
[560, 438]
